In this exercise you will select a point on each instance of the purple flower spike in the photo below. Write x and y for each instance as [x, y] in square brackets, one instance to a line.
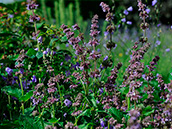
[154, 2]
[9, 70]
[67, 102]
[32, 5]
[130, 8]
[125, 12]
[105, 7]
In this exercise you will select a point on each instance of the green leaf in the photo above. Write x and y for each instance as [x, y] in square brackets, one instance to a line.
[39, 55]
[64, 39]
[170, 75]
[83, 126]
[93, 100]
[15, 92]
[116, 113]
[27, 96]
[5, 34]
[9, 124]
[52, 41]
[148, 113]
[87, 112]
[124, 90]
[31, 53]
[148, 108]
[54, 120]
[39, 25]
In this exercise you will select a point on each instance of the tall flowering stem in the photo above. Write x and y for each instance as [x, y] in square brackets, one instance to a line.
[143, 15]
[34, 18]
[111, 27]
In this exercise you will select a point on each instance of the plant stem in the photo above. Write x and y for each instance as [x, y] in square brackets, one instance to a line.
[61, 98]
[41, 116]
[36, 37]
[22, 94]
[128, 103]
[9, 105]
[108, 125]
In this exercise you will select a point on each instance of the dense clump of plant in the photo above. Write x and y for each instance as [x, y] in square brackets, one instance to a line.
[58, 80]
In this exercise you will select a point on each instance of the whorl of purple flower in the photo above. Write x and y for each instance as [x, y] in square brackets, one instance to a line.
[126, 12]
[154, 2]
[123, 19]
[34, 18]
[34, 79]
[40, 39]
[74, 40]
[130, 8]
[129, 22]
[31, 5]
[105, 7]
[52, 90]
[67, 102]
[9, 70]
[75, 27]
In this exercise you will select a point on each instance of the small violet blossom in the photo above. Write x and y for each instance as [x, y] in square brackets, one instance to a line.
[129, 22]
[154, 2]
[40, 39]
[167, 50]
[9, 70]
[106, 57]
[147, 10]
[130, 8]
[45, 52]
[67, 102]
[125, 12]
[36, 49]
[158, 43]
[123, 19]
[34, 79]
